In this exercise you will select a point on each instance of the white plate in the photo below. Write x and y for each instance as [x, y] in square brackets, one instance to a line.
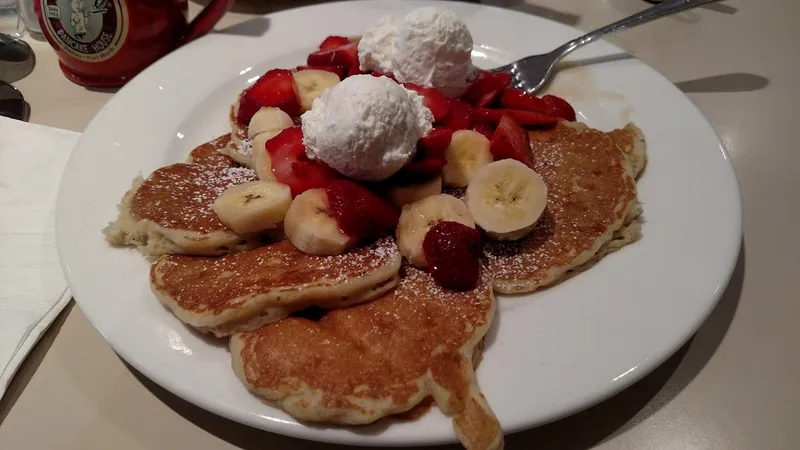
[548, 355]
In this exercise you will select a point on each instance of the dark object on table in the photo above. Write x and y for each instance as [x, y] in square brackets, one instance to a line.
[16, 59]
[118, 39]
[12, 103]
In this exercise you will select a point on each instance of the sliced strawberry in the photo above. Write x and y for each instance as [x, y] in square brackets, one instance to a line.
[460, 116]
[346, 56]
[418, 171]
[428, 162]
[485, 90]
[274, 88]
[452, 251]
[429, 159]
[559, 107]
[488, 115]
[292, 167]
[338, 70]
[519, 99]
[434, 100]
[510, 140]
[359, 212]
[526, 118]
[332, 42]
[435, 143]
[484, 128]
[375, 73]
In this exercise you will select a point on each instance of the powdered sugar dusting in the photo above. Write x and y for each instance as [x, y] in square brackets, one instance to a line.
[368, 258]
[587, 185]
[416, 282]
[244, 147]
[180, 196]
[277, 267]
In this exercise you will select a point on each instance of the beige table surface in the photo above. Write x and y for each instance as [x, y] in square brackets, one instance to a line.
[735, 385]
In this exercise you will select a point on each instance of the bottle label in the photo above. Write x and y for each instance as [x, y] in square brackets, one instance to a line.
[89, 30]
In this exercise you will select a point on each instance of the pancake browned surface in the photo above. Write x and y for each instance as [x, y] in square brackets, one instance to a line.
[356, 365]
[209, 153]
[170, 212]
[591, 201]
[631, 141]
[245, 290]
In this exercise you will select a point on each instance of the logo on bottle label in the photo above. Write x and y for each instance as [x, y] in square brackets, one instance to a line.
[89, 30]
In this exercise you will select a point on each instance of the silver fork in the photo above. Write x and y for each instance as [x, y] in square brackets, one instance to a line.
[531, 73]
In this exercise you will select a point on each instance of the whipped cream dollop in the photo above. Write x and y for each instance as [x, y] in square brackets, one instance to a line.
[429, 46]
[377, 44]
[365, 127]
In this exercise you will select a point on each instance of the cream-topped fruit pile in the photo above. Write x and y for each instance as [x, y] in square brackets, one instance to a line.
[429, 46]
[370, 133]
[366, 127]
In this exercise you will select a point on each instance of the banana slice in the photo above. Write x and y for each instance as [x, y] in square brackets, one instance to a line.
[506, 198]
[403, 195]
[419, 217]
[262, 162]
[310, 84]
[310, 227]
[268, 120]
[468, 152]
[254, 206]
[265, 125]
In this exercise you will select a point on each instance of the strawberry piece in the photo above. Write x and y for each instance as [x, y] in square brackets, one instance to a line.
[435, 143]
[487, 115]
[510, 140]
[460, 116]
[526, 118]
[338, 70]
[452, 251]
[559, 107]
[434, 100]
[519, 99]
[483, 128]
[485, 90]
[532, 118]
[429, 159]
[359, 212]
[345, 56]
[332, 42]
[292, 167]
[416, 172]
[274, 88]
[425, 169]
[375, 73]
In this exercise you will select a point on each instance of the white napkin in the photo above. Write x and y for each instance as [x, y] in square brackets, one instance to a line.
[32, 288]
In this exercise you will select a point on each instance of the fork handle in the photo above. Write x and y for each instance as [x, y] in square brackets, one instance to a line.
[654, 12]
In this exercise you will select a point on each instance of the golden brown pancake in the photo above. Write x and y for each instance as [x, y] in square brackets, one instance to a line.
[631, 141]
[356, 365]
[591, 200]
[209, 153]
[170, 211]
[245, 290]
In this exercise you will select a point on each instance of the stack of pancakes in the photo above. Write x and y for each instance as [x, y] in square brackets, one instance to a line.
[388, 336]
